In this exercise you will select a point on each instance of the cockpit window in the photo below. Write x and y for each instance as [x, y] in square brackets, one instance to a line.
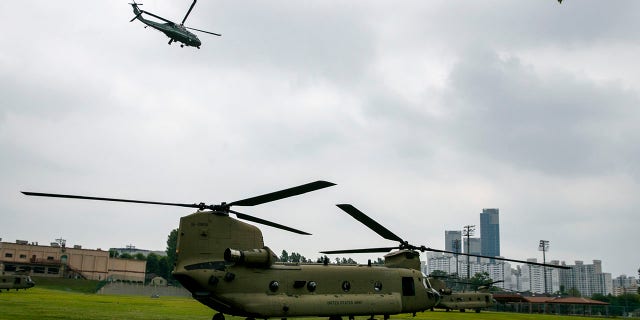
[426, 283]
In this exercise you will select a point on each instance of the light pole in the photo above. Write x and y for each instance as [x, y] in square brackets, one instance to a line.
[544, 247]
[468, 232]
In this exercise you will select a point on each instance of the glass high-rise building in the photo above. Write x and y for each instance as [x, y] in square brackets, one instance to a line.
[490, 232]
[453, 240]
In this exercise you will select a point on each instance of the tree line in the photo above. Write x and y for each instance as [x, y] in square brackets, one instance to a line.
[298, 258]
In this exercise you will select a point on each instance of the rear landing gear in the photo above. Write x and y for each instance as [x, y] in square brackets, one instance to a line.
[218, 316]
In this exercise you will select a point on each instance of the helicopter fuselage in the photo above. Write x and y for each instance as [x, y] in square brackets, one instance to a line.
[16, 281]
[466, 301]
[174, 31]
[233, 273]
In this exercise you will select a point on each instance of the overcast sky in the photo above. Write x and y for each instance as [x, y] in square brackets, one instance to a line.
[422, 112]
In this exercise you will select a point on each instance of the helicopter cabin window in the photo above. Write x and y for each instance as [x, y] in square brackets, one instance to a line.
[346, 286]
[377, 286]
[274, 285]
[408, 287]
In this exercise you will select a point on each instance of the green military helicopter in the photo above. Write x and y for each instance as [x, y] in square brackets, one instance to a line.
[478, 300]
[15, 281]
[175, 32]
[224, 263]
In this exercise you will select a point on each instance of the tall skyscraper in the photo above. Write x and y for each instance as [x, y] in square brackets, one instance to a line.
[453, 240]
[490, 232]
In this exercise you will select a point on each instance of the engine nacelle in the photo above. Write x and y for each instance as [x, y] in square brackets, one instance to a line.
[263, 258]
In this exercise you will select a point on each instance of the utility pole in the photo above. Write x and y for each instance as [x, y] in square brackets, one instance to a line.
[468, 232]
[544, 247]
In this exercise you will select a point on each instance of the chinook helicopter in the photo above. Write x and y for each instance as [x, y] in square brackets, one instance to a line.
[463, 301]
[175, 32]
[224, 263]
[15, 281]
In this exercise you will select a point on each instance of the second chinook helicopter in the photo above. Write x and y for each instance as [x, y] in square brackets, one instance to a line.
[15, 281]
[224, 263]
[462, 300]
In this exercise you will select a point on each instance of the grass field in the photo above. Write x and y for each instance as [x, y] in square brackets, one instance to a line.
[46, 303]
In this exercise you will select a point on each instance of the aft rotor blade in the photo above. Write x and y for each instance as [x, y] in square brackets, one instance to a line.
[136, 17]
[290, 192]
[69, 196]
[496, 258]
[266, 222]
[188, 12]
[372, 224]
[213, 33]
[367, 250]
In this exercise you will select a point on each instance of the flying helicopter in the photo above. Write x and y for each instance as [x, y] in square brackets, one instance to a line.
[15, 281]
[224, 263]
[175, 32]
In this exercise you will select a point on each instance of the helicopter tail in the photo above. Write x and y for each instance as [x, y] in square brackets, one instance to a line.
[136, 10]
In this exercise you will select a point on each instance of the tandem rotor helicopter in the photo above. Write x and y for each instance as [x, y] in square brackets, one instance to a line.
[175, 32]
[15, 281]
[225, 265]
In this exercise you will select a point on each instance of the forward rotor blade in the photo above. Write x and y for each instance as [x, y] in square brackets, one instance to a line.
[372, 224]
[213, 33]
[367, 250]
[266, 222]
[158, 17]
[496, 258]
[188, 12]
[55, 195]
[290, 192]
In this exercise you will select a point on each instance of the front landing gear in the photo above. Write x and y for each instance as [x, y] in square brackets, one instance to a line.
[218, 316]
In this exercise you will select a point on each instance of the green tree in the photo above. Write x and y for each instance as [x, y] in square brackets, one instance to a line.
[480, 279]
[125, 256]
[140, 256]
[113, 253]
[573, 292]
[153, 264]
[284, 257]
[163, 268]
[172, 245]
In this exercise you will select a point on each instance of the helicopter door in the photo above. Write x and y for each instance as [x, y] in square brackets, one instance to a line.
[16, 281]
[408, 287]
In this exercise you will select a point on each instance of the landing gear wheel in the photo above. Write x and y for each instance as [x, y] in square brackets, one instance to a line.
[218, 316]
[335, 318]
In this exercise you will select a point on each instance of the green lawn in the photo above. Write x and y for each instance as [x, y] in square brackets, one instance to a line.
[44, 303]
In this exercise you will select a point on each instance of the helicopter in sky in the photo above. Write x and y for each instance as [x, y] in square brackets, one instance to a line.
[15, 281]
[224, 263]
[175, 32]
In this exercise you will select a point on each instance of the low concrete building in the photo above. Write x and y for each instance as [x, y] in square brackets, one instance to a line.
[58, 260]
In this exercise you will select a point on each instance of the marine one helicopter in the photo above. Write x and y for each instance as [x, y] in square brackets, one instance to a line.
[15, 281]
[224, 263]
[175, 32]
